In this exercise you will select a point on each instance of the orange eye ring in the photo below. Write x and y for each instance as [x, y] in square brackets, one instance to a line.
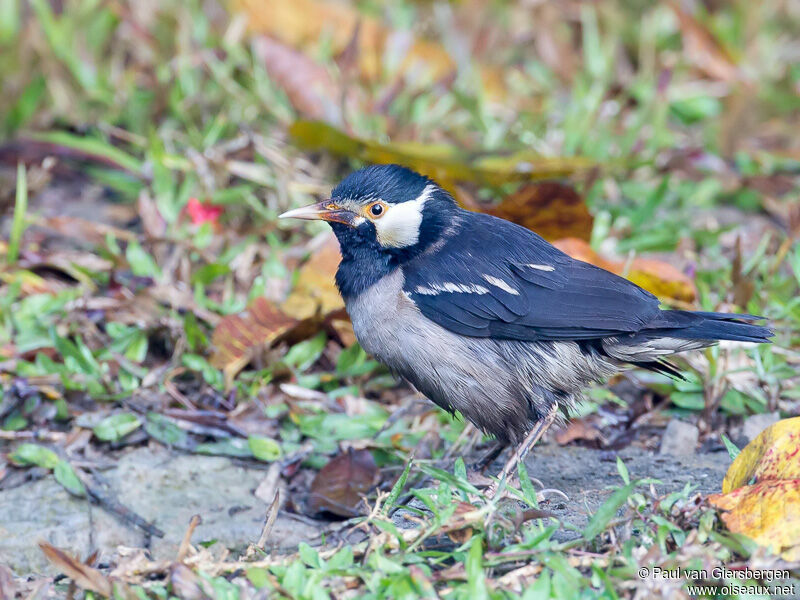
[376, 210]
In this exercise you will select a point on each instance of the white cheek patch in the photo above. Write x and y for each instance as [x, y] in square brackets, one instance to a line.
[399, 227]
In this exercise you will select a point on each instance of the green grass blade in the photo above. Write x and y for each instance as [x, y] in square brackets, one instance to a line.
[20, 208]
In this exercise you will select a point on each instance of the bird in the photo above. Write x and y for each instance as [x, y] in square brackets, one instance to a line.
[486, 318]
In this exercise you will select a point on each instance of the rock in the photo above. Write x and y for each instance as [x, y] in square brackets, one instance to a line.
[679, 439]
[755, 424]
[589, 477]
[164, 487]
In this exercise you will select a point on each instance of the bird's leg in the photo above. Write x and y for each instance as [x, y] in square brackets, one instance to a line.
[534, 435]
[485, 461]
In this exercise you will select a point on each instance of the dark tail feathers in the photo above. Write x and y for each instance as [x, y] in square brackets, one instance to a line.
[688, 325]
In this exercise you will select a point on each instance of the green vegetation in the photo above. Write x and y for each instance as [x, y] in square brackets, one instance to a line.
[681, 136]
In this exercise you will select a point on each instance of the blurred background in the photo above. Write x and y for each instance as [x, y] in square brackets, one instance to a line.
[147, 147]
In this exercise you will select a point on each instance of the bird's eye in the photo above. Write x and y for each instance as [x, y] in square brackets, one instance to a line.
[376, 209]
[330, 206]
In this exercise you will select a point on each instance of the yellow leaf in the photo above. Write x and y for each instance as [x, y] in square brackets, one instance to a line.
[773, 455]
[768, 512]
[315, 293]
[438, 161]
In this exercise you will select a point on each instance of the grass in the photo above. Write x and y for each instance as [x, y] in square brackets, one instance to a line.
[175, 104]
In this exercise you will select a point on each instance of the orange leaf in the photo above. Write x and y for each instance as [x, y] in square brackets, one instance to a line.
[657, 277]
[551, 209]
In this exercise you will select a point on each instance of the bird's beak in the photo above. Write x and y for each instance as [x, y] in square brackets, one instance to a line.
[327, 210]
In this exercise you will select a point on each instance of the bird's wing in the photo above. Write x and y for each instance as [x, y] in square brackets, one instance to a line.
[499, 280]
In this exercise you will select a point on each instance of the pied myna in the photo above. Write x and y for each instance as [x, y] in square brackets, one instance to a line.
[485, 317]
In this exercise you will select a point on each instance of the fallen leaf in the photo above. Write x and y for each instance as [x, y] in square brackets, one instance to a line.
[336, 22]
[768, 512]
[773, 455]
[83, 575]
[236, 338]
[444, 163]
[339, 486]
[703, 48]
[305, 82]
[578, 429]
[551, 209]
[743, 285]
[657, 277]
[315, 292]
[761, 490]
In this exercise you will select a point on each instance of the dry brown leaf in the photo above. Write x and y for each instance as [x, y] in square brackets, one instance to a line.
[657, 277]
[83, 575]
[307, 84]
[551, 209]
[578, 429]
[237, 337]
[703, 49]
[743, 285]
[339, 486]
[288, 21]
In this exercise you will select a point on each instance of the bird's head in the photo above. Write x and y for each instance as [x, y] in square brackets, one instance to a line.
[385, 208]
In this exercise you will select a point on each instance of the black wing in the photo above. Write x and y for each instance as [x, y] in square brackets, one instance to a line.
[497, 279]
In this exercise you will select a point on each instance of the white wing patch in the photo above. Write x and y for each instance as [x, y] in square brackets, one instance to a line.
[542, 267]
[399, 227]
[497, 282]
[455, 288]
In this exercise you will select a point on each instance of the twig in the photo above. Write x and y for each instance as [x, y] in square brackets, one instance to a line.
[186, 542]
[115, 507]
[272, 514]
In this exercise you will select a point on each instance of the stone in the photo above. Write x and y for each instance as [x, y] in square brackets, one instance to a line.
[679, 438]
[164, 487]
[755, 424]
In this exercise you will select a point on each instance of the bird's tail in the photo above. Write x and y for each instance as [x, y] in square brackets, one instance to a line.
[710, 326]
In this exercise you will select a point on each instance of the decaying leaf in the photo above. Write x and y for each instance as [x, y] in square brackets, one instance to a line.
[657, 277]
[237, 337]
[314, 302]
[578, 429]
[774, 454]
[768, 512]
[83, 575]
[551, 209]
[442, 162]
[761, 490]
[339, 486]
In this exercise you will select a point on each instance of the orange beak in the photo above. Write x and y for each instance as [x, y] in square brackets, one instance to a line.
[327, 210]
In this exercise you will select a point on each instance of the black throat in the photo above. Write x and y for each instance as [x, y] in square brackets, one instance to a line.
[364, 260]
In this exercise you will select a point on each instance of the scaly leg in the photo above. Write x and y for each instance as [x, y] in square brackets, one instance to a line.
[534, 435]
